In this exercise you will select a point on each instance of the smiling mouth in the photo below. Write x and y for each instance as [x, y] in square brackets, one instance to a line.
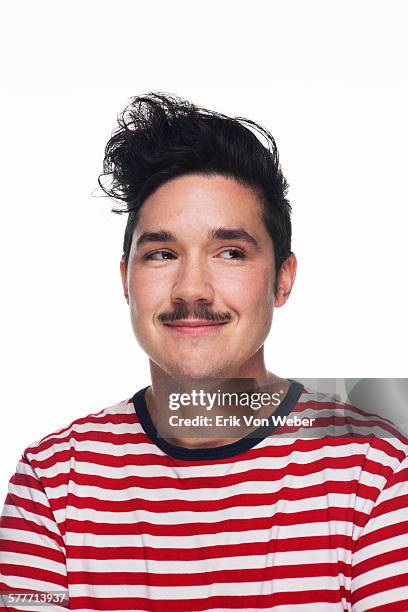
[196, 328]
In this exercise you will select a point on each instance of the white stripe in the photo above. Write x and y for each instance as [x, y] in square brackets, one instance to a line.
[200, 471]
[380, 573]
[287, 585]
[28, 493]
[250, 487]
[28, 537]
[134, 451]
[386, 520]
[33, 560]
[113, 430]
[218, 539]
[235, 512]
[379, 548]
[206, 565]
[15, 512]
[317, 607]
[27, 584]
[381, 599]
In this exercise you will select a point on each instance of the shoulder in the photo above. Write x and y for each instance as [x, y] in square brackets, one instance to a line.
[57, 446]
[353, 427]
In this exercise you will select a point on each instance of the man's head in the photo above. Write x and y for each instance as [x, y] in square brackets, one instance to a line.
[208, 235]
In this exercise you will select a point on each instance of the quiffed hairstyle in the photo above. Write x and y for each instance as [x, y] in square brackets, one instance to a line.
[161, 136]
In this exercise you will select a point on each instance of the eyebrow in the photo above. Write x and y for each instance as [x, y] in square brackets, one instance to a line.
[220, 233]
[159, 236]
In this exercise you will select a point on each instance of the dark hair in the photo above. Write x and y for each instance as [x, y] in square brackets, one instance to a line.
[161, 136]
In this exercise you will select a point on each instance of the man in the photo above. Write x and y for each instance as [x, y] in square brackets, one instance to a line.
[124, 512]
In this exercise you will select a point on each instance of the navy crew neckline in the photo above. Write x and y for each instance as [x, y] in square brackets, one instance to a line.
[293, 393]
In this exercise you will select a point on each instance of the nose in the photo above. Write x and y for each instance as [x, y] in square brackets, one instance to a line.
[192, 284]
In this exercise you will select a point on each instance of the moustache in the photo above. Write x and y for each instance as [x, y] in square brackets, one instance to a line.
[183, 312]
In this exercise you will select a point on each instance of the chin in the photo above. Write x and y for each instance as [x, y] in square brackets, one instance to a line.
[197, 372]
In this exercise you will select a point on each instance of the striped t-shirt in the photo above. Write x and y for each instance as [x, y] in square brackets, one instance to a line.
[119, 519]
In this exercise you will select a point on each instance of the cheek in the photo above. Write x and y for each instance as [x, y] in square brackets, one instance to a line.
[258, 303]
[146, 296]
[251, 295]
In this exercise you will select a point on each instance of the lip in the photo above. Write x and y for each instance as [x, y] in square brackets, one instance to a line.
[196, 328]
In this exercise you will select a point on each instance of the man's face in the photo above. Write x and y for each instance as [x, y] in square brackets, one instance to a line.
[200, 278]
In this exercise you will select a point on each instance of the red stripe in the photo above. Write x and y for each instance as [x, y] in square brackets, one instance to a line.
[34, 550]
[382, 534]
[381, 586]
[257, 602]
[11, 522]
[244, 500]
[31, 506]
[271, 450]
[226, 526]
[214, 482]
[390, 505]
[394, 606]
[331, 542]
[25, 480]
[346, 408]
[107, 419]
[34, 573]
[213, 577]
[392, 556]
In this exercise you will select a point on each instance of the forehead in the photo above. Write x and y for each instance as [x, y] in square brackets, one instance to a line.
[194, 203]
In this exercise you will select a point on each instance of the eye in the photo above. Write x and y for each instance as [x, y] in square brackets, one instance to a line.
[159, 255]
[233, 253]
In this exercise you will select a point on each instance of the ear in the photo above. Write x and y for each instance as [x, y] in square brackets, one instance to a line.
[286, 278]
[124, 279]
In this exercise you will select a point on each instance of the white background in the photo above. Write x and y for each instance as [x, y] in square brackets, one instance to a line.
[328, 78]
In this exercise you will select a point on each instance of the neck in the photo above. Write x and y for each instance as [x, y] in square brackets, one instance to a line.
[164, 386]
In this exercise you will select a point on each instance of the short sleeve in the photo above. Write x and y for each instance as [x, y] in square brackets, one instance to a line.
[379, 578]
[32, 551]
